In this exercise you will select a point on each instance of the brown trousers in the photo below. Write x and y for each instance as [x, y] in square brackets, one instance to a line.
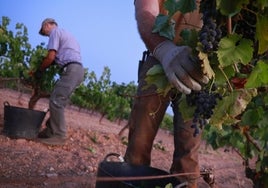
[147, 113]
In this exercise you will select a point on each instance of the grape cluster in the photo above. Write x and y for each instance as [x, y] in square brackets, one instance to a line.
[204, 102]
[246, 22]
[210, 34]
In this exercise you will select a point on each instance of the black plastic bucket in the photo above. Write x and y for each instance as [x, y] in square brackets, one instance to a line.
[22, 122]
[116, 170]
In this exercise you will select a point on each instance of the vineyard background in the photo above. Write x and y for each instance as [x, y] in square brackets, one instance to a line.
[241, 115]
[26, 163]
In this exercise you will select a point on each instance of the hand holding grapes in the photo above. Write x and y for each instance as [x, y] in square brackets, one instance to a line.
[182, 71]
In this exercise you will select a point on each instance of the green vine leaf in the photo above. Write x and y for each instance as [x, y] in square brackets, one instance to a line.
[252, 116]
[230, 7]
[164, 26]
[234, 49]
[190, 38]
[262, 33]
[225, 113]
[258, 76]
[184, 6]
[156, 76]
[186, 110]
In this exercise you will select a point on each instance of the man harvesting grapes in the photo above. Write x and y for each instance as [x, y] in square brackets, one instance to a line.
[184, 73]
[64, 50]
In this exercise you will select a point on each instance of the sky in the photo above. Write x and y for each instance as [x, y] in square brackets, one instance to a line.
[106, 31]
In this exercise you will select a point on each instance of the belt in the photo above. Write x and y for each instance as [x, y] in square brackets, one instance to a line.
[69, 63]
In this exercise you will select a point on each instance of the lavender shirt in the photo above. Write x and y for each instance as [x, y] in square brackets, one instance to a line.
[68, 49]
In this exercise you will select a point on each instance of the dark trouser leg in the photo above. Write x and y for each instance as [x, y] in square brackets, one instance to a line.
[147, 113]
[143, 126]
[185, 157]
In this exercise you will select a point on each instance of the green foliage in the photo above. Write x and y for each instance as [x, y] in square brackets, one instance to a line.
[239, 69]
[164, 23]
[110, 99]
[234, 49]
[167, 122]
[230, 7]
[258, 76]
[262, 32]
[14, 49]
[19, 60]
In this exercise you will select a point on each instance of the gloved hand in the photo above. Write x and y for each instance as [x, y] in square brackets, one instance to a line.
[38, 74]
[182, 71]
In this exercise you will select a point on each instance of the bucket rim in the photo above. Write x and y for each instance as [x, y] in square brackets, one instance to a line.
[7, 105]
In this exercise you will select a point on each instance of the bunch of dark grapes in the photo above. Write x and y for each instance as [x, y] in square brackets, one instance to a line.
[210, 34]
[245, 23]
[204, 102]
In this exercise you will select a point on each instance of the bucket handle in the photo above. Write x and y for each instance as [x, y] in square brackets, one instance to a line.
[6, 103]
[120, 158]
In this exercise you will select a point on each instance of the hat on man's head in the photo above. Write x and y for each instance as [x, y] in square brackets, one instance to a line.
[47, 20]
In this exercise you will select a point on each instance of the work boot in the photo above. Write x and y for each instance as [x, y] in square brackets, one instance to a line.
[46, 132]
[53, 141]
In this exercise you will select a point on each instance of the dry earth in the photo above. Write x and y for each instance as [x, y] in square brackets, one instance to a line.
[26, 163]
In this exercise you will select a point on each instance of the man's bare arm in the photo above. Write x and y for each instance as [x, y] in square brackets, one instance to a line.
[146, 12]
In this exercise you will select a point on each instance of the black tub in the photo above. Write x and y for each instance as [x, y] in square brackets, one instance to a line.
[115, 171]
[22, 122]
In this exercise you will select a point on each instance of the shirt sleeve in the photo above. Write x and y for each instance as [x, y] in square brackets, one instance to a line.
[54, 40]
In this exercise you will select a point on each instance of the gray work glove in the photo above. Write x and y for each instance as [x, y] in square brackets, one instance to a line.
[182, 71]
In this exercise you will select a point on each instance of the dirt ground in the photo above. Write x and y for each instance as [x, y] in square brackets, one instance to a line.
[27, 163]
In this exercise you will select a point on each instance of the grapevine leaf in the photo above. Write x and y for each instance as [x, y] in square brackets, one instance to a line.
[156, 76]
[231, 106]
[258, 76]
[160, 23]
[156, 69]
[263, 127]
[189, 37]
[222, 74]
[164, 26]
[234, 49]
[207, 70]
[186, 110]
[230, 7]
[262, 4]
[184, 6]
[265, 100]
[262, 33]
[252, 116]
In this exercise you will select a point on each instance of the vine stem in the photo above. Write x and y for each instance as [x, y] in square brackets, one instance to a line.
[229, 84]
[248, 136]
[251, 140]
